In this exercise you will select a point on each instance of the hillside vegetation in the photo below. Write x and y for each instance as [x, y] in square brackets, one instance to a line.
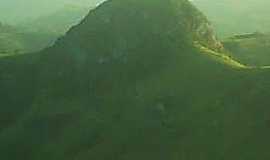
[135, 80]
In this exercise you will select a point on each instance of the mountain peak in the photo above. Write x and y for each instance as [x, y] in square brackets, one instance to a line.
[126, 20]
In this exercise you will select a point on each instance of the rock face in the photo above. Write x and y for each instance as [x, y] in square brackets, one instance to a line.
[199, 26]
[204, 33]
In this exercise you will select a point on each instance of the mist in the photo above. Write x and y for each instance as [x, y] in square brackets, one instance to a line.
[19, 11]
[236, 16]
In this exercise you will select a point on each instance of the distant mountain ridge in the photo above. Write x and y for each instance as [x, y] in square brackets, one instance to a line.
[252, 49]
[236, 16]
[40, 33]
[8, 40]
[15, 40]
[31, 9]
[57, 23]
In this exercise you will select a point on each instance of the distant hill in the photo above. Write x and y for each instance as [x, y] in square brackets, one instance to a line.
[236, 16]
[40, 33]
[15, 12]
[251, 49]
[58, 22]
[14, 40]
[9, 40]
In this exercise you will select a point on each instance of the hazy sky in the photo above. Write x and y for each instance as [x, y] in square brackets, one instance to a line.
[16, 11]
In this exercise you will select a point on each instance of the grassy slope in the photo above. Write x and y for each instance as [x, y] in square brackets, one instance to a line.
[159, 99]
[221, 56]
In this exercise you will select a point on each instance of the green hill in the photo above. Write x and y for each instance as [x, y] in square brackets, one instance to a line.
[131, 82]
